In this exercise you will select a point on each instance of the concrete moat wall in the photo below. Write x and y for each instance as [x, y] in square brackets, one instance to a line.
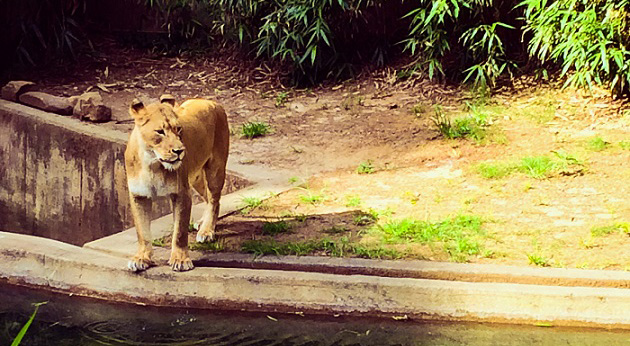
[63, 179]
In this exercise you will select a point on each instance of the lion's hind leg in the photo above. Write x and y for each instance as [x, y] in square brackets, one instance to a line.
[214, 173]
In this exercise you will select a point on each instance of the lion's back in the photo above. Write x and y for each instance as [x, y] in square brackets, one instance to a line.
[206, 131]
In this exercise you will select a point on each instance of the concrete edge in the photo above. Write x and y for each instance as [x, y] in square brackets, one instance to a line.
[465, 272]
[56, 266]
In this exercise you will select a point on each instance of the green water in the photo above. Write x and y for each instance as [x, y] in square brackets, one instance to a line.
[71, 320]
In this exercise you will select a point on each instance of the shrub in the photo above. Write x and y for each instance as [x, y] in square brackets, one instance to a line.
[586, 37]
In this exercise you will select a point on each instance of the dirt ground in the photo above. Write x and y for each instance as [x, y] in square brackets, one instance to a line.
[575, 216]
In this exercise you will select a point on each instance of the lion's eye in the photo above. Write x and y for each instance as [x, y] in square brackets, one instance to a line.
[160, 132]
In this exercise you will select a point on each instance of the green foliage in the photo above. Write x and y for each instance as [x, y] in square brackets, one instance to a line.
[460, 236]
[281, 98]
[538, 260]
[598, 144]
[538, 167]
[159, 242]
[215, 246]
[437, 27]
[251, 203]
[253, 129]
[336, 248]
[588, 38]
[353, 201]
[463, 127]
[34, 31]
[312, 198]
[488, 52]
[494, 170]
[275, 228]
[18, 338]
[618, 227]
[365, 167]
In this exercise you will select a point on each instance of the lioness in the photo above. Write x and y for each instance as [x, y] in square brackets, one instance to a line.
[170, 149]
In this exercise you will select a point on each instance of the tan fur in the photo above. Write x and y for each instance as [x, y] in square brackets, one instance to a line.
[170, 150]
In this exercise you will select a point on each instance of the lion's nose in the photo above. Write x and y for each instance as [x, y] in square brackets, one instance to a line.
[178, 151]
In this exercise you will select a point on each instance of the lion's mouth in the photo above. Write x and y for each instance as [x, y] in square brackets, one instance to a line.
[172, 162]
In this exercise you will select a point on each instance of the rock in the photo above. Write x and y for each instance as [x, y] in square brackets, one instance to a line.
[12, 90]
[90, 106]
[47, 102]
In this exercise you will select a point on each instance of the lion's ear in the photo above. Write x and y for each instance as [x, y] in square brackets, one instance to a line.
[168, 98]
[136, 109]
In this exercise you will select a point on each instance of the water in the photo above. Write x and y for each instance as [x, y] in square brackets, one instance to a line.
[71, 320]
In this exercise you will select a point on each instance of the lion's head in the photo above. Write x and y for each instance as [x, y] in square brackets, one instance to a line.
[160, 131]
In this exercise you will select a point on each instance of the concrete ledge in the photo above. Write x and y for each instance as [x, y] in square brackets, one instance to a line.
[467, 272]
[61, 267]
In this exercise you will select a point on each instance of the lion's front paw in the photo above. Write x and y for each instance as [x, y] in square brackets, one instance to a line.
[139, 263]
[205, 237]
[180, 261]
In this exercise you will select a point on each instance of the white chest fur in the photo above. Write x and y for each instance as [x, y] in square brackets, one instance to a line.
[152, 181]
[151, 185]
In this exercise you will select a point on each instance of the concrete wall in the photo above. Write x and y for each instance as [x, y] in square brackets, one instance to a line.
[63, 179]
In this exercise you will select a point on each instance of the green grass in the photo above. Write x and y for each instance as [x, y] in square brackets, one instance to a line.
[625, 145]
[353, 201]
[334, 248]
[620, 227]
[597, 144]
[365, 167]
[18, 338]
[363, 219]
[538, 260]
[282, 98]
[251, 203]
[494, 170]
[460, 236]
[160, 242]
[312, 198]
[215, 246]
[471, 126]
[254, 129]
[538, 167]
[336, 229]
[275, 228]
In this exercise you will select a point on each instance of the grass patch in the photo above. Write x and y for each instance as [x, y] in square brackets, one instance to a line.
[538, 260]
[538, 167]
[619, 227]
[275, 228]
[459, 236]
[336, 229]
[282, 98]
[625, 145]
[364, 219]
[251, 203]
[312, 198]
[215, 246]
[494, 170]
[353, 201]
[597, 144]
[159, 242]
[254, 129]
[334, 248]
[365, 167]
[458, 128]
